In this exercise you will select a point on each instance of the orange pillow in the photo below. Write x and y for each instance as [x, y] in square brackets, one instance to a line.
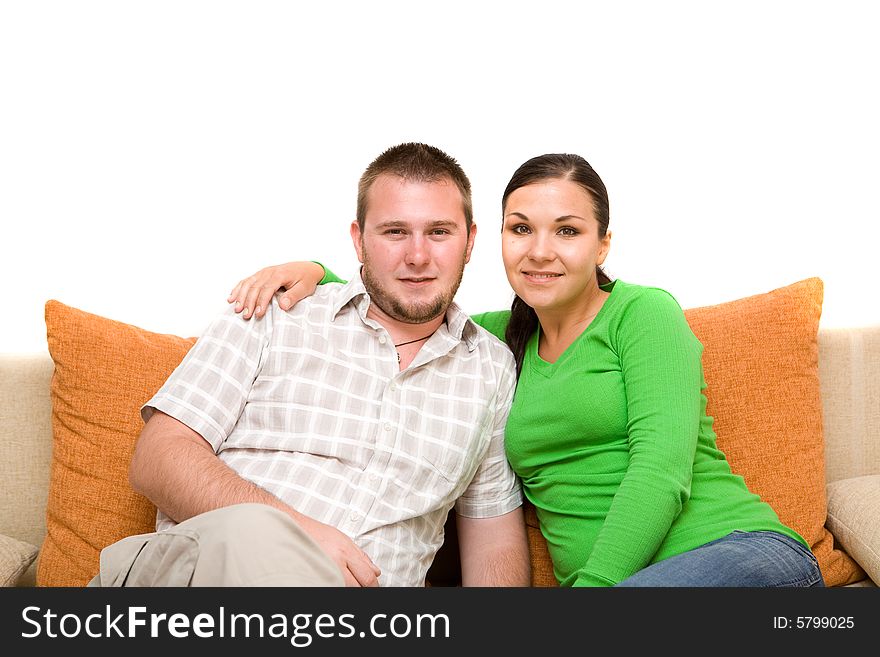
[761, 362]
[760, 359]
[104, 372]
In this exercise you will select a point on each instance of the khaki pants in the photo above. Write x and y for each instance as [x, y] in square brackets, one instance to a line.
[241, 545]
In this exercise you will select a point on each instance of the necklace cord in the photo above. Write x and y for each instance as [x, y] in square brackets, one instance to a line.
[411, 341]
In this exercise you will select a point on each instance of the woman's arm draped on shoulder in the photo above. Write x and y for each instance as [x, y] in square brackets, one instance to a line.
[660, 362]
[495, 322]
[297, 280]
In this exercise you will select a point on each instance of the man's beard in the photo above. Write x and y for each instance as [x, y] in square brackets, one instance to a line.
[413, 312]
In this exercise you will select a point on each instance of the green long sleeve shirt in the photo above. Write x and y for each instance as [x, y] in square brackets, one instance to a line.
[614, 446]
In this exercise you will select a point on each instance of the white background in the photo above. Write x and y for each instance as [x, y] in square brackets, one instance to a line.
[154, 153]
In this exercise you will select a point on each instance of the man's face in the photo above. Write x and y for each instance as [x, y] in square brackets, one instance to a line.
[414, 247]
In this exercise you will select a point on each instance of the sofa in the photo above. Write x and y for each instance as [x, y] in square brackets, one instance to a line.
[796, 408]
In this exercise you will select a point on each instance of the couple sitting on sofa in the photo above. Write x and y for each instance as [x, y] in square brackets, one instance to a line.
[326, 445]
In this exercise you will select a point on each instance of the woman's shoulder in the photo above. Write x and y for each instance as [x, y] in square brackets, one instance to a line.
[648, 310]
[644, 296]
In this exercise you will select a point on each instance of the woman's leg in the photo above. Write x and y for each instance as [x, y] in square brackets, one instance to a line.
[748, 559]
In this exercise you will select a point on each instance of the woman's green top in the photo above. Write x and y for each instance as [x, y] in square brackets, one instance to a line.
[614, 446]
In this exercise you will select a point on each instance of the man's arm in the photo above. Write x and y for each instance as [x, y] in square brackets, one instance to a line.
[494, 551]
[177, 470]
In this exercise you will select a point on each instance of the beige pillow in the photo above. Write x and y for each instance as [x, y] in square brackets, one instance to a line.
[854, 519]
[15, 558]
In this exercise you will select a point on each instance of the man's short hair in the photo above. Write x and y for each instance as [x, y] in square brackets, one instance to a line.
[415, 162]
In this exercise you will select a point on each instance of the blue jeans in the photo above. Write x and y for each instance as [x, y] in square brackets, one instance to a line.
[756, 559]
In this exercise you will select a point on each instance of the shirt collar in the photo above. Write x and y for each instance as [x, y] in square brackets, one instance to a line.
[458, 324]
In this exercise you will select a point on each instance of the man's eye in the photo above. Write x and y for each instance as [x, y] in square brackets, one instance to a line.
[439, 231]
[394, 231]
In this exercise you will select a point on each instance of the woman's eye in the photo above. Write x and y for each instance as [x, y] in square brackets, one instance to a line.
[520, 229]
[567, 231]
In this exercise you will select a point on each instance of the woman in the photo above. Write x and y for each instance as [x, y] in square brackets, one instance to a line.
[608, 429]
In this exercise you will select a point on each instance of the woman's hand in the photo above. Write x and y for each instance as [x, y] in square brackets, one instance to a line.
[253, 294]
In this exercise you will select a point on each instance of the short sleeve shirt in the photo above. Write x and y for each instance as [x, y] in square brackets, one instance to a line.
[310, 404]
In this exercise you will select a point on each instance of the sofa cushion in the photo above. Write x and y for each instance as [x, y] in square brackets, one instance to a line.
[26, 444]
[761, 361]
[104, 372]
[760, 358]
[15, 558]
[853, 512]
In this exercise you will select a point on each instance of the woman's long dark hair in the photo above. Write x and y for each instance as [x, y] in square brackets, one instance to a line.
[554, 166]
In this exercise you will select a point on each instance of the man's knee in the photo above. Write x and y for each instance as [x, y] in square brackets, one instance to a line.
[241, 522]
[255, 544]
[239, 545]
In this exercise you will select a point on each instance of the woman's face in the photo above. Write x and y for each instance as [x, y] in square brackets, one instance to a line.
[550, 245]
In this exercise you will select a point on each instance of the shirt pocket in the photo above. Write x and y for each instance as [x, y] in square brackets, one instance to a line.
[451, 442]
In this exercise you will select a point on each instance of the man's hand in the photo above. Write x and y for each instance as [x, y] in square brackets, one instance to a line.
[357, 568]
[253, 294]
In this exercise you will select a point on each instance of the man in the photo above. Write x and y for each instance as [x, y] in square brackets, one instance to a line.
[326, 445]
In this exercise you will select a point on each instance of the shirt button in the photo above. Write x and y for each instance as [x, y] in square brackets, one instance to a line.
[382, 339]
[374, 476]
[354, 517]
[392, 387]
[387, 426]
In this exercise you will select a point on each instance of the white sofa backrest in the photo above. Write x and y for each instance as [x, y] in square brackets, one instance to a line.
[849, 375]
